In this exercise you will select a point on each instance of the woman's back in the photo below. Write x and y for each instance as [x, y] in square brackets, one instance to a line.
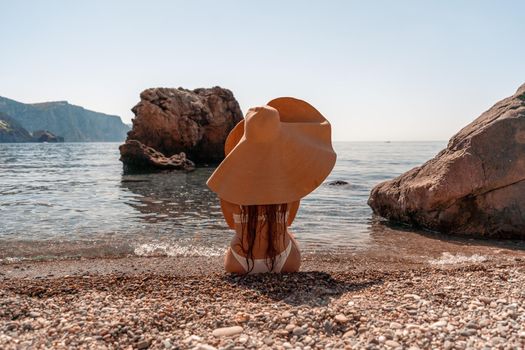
[262, 242]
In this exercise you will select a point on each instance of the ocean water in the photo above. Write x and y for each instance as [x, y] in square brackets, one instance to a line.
[72, 199]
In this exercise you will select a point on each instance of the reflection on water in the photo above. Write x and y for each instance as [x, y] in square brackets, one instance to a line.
[177, 200]
[72, 199]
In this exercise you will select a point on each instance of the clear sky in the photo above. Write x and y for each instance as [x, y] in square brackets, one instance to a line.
[378, 70]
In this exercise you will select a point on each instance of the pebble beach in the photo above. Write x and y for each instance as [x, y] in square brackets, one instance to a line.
[337, 302]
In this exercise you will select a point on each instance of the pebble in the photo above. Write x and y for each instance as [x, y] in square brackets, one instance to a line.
[349, 334]
[206, 347]
[243, 339]
[412, 296]
[298, 331]
[227, 331]
[143, 344]
[268, 341]
[467, 332]
[497, 340]
[192, 338]
[119, 311]
[485, 300]
[395, 325]
[412, 326]
[472, 324]
[341, 318]
[286, 314]
[392, 343]
[438, 324]
[290, 327]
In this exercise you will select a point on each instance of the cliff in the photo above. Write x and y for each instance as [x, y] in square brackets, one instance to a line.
[73, 123]
[11, 131]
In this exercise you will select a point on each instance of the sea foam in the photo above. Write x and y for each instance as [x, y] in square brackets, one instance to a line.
[173, 249]
[450, 259]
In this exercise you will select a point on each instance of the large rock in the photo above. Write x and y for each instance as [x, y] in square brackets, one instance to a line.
[139, 157]
[476, 186]
[195, 122]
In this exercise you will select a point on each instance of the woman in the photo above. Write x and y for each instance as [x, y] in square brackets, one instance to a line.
[277, 155]
[261, 242]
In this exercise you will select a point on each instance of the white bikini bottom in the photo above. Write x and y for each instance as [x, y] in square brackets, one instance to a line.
[259, 265]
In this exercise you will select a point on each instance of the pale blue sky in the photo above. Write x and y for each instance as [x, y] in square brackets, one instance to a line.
[378, 70]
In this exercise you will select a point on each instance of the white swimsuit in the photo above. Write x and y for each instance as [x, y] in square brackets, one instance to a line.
[259, 265]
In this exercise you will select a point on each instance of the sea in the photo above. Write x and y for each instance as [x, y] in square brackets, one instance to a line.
[68, 200]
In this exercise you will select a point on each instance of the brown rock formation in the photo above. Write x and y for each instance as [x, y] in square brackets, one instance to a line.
[136, 157]
[476, 186]
[178, 120]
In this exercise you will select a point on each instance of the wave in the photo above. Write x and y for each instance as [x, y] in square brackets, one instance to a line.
[450, 259]
[172, 249]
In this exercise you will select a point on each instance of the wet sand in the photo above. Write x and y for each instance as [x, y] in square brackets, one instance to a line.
[390, 247]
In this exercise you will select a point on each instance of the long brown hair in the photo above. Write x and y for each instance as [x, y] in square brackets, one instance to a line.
[274, 215]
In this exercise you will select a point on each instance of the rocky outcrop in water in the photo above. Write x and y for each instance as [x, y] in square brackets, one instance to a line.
[476, 186]
[171, 121]
[138, 157]
[46, 136]
[337, 183]
[73, 123]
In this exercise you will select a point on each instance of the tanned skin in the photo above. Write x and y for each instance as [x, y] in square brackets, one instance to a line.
[293, 262]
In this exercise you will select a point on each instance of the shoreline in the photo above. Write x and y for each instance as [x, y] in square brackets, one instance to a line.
[393, 258]
[384, 241]
[371, 300]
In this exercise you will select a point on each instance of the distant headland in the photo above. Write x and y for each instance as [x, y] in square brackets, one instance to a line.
[12, 131]
[61, 120]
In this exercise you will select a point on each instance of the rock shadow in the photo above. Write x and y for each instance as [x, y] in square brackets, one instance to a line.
[310, 288]
[417, 238]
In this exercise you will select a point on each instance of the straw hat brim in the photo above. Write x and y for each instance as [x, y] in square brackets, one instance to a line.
[282, 171]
